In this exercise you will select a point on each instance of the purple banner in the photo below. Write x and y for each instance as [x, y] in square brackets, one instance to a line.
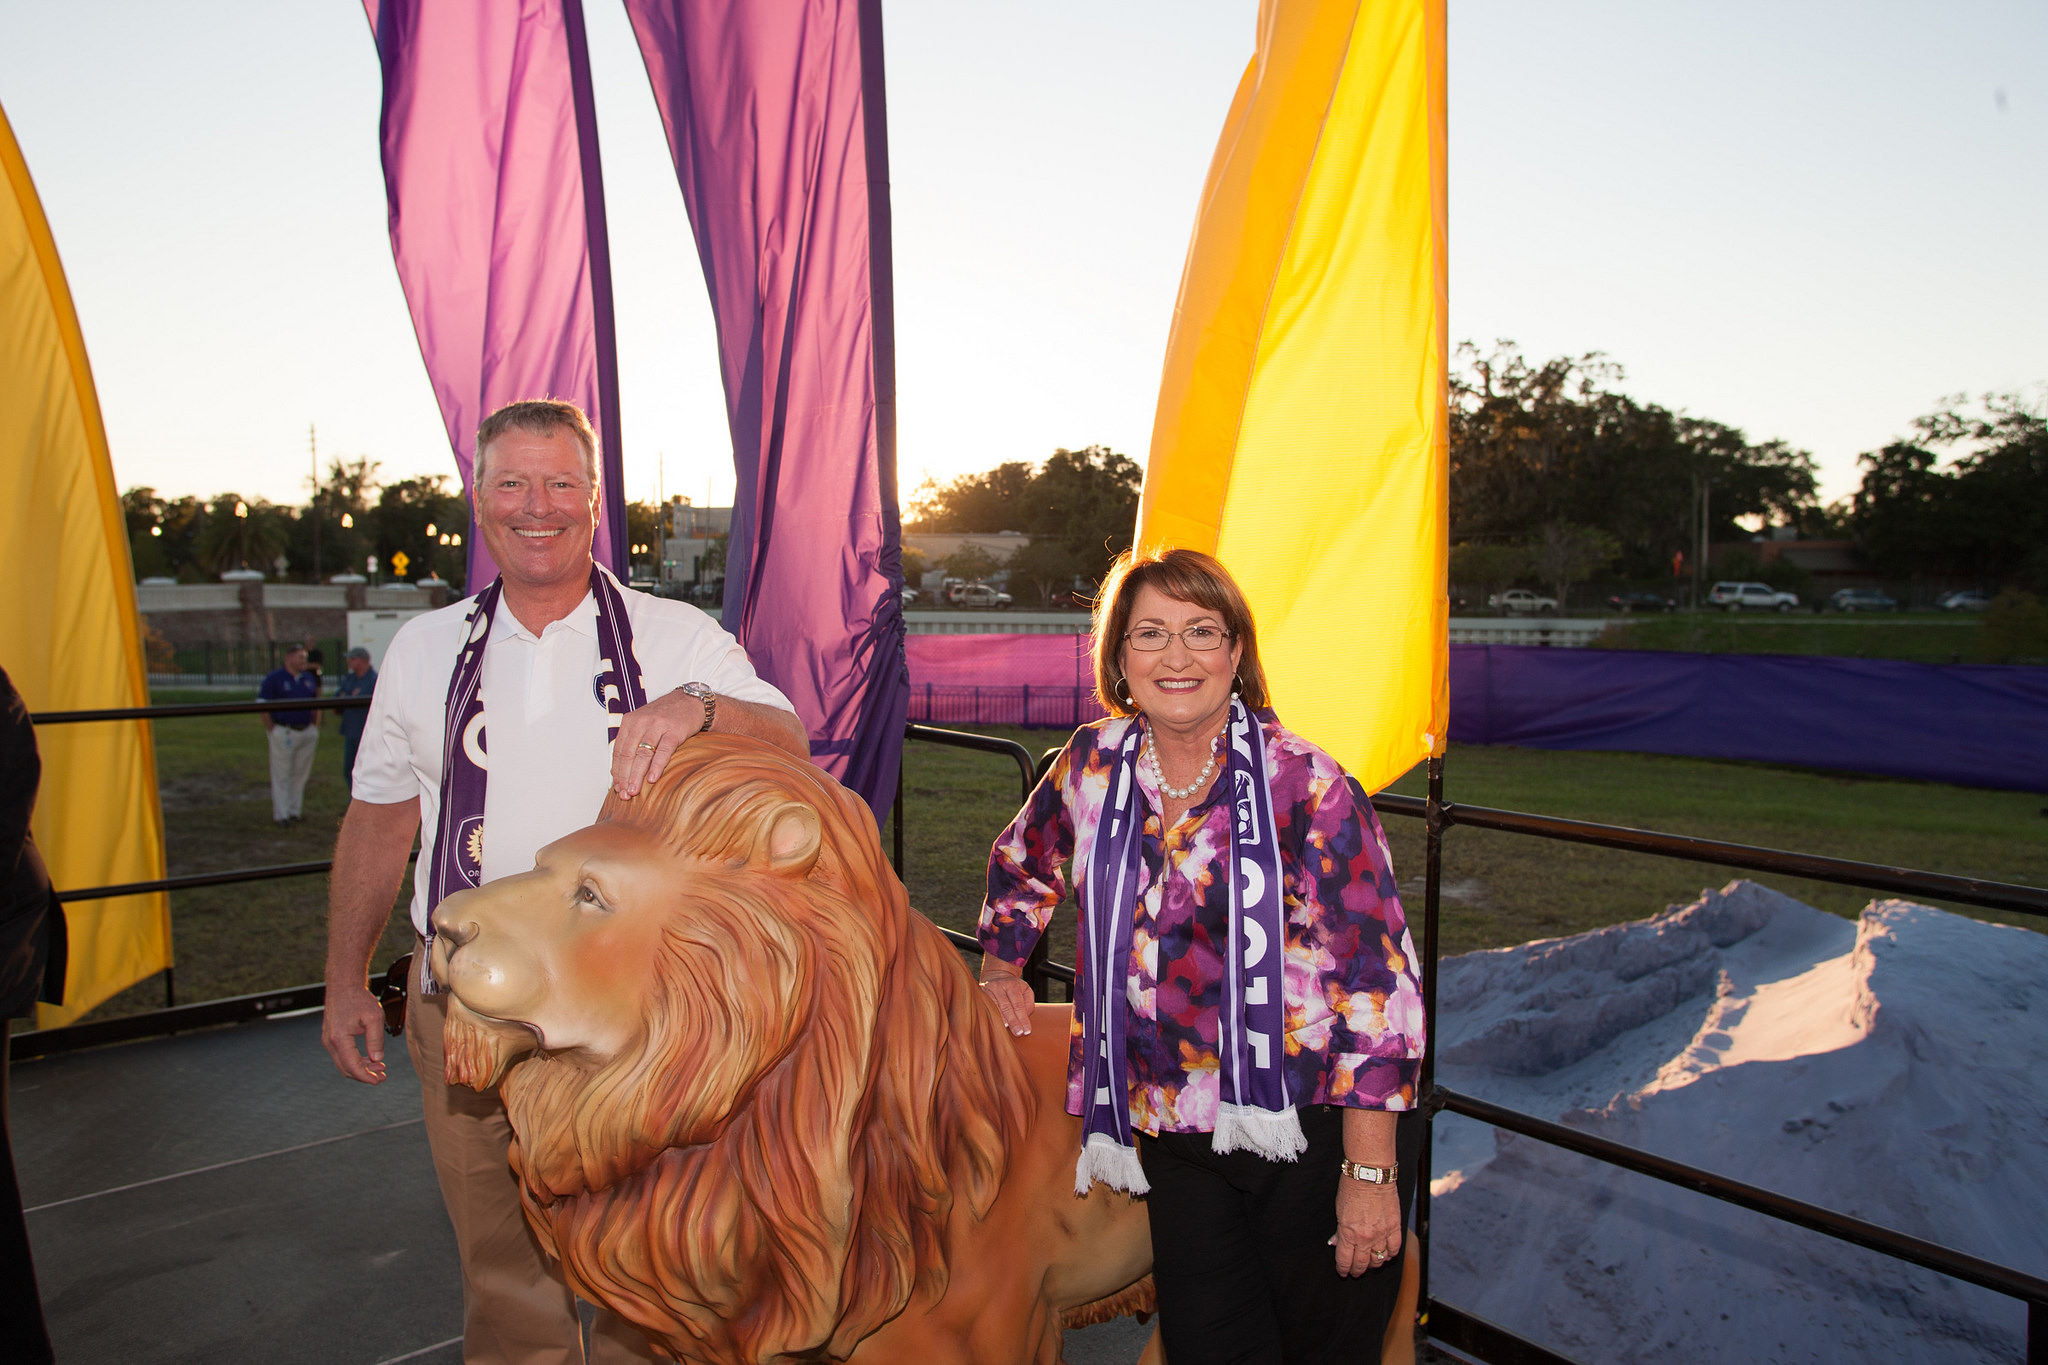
[776, 120]
[489, 137]
[1973, 725]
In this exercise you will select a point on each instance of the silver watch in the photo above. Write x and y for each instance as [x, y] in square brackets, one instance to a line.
[702, 692]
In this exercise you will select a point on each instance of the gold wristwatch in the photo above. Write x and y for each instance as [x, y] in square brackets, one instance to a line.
[1371, 1175]
[703, 693]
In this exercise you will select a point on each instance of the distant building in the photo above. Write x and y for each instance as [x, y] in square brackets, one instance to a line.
[690, 533]
[938, 545]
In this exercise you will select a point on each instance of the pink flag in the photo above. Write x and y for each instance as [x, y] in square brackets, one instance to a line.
[776, 120]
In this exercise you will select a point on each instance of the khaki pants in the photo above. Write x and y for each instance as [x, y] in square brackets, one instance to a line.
[515, 1311]
[291, 763]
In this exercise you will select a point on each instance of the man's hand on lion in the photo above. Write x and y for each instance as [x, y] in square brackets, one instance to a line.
[650, 736]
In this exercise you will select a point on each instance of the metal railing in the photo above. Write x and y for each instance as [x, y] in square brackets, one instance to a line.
[1442, 1321]
[1489, 1342]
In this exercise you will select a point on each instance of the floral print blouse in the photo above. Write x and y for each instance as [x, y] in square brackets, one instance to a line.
[1354, 1004]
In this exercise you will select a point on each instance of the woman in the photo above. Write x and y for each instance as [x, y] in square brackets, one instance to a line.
[1246, 998]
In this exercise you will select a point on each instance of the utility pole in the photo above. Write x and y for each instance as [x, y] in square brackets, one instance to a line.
[313, 449]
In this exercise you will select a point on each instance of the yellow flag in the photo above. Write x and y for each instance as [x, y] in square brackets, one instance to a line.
[1301, 435]
[69, 634]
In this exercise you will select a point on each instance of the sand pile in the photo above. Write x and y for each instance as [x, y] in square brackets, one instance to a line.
[1895, 1069]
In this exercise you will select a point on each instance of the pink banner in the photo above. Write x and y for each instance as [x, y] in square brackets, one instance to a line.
[496, 201]
[775, 118]
[1001, 660]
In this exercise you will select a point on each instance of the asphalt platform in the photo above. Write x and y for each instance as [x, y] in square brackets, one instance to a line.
[226, 1197]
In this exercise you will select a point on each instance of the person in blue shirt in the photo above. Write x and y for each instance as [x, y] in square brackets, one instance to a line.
[293, 735]
[359, 681]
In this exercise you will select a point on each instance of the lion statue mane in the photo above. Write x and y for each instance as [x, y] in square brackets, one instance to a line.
[822, 1127]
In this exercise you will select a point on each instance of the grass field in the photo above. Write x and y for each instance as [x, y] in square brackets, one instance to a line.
[1500, 889]
[1927, 639]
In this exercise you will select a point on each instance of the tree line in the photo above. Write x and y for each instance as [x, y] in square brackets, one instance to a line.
[350, 519]
[1556, 477]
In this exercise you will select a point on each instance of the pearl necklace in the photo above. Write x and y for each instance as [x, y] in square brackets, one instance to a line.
[1159, 774]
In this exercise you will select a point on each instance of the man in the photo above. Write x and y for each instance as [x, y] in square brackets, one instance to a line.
[359, 681]
[293, 735]
[533, 678]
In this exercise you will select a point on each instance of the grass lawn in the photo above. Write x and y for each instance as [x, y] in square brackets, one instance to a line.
[1500, 889]
[1927, 638]
[214, 774]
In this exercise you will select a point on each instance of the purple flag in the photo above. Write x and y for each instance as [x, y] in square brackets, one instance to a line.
[776, 119]
[489, 137]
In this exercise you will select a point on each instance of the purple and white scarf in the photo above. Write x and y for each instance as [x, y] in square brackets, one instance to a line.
[1255, 1112]
[465, 768]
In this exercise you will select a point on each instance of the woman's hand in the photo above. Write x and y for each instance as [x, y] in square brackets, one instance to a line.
[1368, 1226]
[1004, 985]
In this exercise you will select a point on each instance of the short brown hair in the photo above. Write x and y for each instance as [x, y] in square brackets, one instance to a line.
[1185, 576]
[537, 417]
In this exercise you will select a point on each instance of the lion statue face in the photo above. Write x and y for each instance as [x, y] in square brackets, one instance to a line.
[749, 1087]
[563, 958]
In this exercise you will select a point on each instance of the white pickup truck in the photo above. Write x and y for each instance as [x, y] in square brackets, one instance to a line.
[1753, 596]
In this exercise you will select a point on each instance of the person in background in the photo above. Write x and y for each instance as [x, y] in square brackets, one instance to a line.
[1247, 1019]
[359, 681]
[32, 963]
[293, 735]
[316, 662]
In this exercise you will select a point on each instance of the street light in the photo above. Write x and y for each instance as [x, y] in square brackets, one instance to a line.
[348, 522]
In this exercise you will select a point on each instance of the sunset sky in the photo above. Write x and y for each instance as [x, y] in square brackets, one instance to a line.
[1813, 221]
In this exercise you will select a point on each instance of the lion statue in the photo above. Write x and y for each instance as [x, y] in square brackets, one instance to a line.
[760, 1108]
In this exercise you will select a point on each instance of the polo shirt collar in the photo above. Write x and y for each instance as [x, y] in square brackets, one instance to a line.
[582, 620]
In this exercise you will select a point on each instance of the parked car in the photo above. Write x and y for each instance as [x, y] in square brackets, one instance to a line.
[1520, 601]
[1751, 597]
[1964, 601]
[910, 597]
[1862, 599]
[1640, 601]
[980, 595]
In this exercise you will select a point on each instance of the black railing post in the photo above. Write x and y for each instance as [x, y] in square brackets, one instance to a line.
[2037, 1333]
[209, 663]
[170, 988]
[1432, 904]
[896, 820]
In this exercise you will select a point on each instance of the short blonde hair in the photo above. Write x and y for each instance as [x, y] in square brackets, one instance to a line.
[536, 417]
[1185, 576]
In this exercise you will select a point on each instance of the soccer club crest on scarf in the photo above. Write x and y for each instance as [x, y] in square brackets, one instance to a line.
[606, 687]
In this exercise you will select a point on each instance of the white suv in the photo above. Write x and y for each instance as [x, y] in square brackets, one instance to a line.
[1756, 596]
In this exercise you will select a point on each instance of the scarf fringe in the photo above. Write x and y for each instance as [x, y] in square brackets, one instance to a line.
[1274, 1135]
[1105, 1159]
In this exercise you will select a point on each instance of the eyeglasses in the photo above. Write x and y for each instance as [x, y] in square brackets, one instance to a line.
[1201, 639]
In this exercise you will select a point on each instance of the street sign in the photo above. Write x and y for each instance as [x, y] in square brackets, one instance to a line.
[398, 563]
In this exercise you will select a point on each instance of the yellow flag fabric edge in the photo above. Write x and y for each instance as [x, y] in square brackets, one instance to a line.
[98, 820]
[1241, 224]
[1333, 466]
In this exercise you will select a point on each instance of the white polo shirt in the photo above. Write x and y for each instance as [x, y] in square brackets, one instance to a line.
[545, 729]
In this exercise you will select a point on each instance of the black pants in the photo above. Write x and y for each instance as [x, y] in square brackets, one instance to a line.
[23, 1338]
[1241, 1250]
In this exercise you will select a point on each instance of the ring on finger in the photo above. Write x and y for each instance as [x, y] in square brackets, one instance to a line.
[648, 747]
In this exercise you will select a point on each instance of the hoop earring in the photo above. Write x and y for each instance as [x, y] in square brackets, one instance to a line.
[1122, 692]
[1236, 686]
